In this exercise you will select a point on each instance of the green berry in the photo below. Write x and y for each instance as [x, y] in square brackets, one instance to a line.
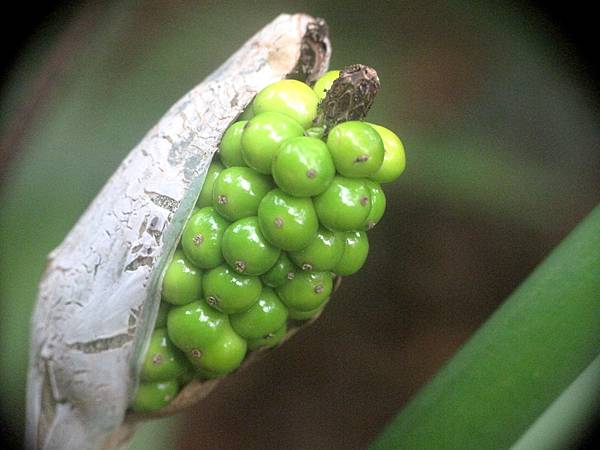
[323, 253]
[307, 290]
[248, 113]
[303, 167]
[229, 291]
[238, 191]
[377, 205]
[269, 340]
[194, 326]
[263, 135]
[222, 356]
[202, 236]
[289, 223]
[182, 282]
[290, 97]
[163, 361]
[205, 197]
[324, 83]
[282, 271]
[356, 148]
[154, 396]
[207, 374]
[245, 248]
[394, 160]
[230, 149]
[345, 204]
[295, 314]
[356, 249]
[161, 317]
[266, 316]
[188, 375]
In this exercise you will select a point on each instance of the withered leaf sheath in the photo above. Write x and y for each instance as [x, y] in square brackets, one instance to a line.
[99, 296]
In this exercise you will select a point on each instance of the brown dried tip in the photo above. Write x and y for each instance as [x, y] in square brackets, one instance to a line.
[350, 96]
[314, 52]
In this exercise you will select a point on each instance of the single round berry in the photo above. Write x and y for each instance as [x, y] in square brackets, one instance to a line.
[269, 340]
[202, 236]
[345, 204]
[394, 160]
[377, 205]
[303, 167]
[266, 316]
[282, 271]
[205, 197]
[262, 136]
[356, 249]
[323, 253]
[289, 223]
[290, 97]
[245, 248]
[161, 316]
[229, 291]
[230, 149]
[238, 191]
[324, 83]
[154, 396]
[192, 327]
[306, 291]
[182, 282]
[295, 314]
[163, 361]
[222, 356]
[356, 148]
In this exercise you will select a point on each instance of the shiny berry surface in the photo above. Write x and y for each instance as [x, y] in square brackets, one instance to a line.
[202, 236]
[182, 282]
[246, 250]
[229, 291]
[262, 136]
[238, 191]
[290, 97]
[345, 204]
[303, 167]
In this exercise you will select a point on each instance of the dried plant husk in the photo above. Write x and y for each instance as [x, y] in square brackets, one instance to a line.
[99, 296]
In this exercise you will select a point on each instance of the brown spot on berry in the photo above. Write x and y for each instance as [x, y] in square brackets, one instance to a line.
[361, 158]
[318, 288]
[156, 359]
[290, 275]
[239, 266]
[269, 336]
[278, 222]
[196, 353]
[212, 300]
[364, 200]
[311, 173]
[198, 239]
[307, 266]
[222, 199]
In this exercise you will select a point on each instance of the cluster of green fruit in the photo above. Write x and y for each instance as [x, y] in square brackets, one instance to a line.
[283, 210]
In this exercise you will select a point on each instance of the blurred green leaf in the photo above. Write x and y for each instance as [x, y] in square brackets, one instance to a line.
[518, 363]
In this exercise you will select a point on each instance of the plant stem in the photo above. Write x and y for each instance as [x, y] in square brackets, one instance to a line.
[518, 363]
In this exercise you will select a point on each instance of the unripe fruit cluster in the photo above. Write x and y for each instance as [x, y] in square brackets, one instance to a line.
[282, 212]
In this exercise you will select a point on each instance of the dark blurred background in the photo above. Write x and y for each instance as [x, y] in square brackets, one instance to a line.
[496, 102]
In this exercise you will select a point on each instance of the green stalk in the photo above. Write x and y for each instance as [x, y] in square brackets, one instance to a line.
[518, 363]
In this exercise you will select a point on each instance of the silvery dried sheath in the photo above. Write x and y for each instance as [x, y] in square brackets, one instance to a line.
[99, 296]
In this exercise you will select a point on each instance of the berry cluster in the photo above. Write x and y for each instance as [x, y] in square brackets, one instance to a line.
[282, 212]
